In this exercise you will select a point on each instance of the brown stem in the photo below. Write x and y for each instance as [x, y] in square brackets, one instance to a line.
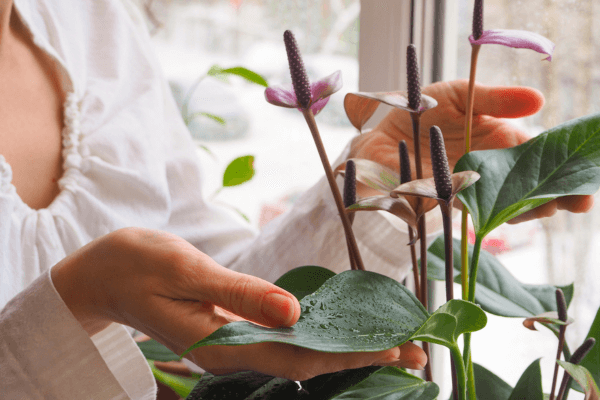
[563, 386]
[415, 265]
[337, 196]
[422, 232]
[561, 342]
[470, 97]
[448, 247]
[352, 262]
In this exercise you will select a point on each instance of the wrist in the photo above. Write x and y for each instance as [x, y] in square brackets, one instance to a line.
[74, 293]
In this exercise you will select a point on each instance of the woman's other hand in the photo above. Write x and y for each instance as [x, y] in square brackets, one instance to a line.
[161, 285]
[489, 131]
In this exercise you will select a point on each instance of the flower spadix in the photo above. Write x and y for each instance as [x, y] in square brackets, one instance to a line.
[508, 37]
[443, 186]
[302, 94]
[375, 182]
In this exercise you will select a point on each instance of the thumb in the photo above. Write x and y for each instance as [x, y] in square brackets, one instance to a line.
[255, 299]
[506, 101]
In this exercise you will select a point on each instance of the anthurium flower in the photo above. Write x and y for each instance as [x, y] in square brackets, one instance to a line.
[516, 39]
[361, 106]
[378, 182]
[284, 96]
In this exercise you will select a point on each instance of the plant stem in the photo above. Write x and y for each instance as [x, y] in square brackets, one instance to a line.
[415, 265]
[448, 249]
[467, 135]
[464, 253]
[352, 261]
[474, 266]
[471, 297]
[460, 372]
[561, 341]
[422, 231]
[471, 379]
[351, 240]
[471, 96]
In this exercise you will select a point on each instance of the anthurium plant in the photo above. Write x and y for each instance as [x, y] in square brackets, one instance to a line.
[362, 311]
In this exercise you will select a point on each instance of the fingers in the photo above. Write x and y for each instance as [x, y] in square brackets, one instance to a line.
[507, 102]
[574, 204]
[252, 298]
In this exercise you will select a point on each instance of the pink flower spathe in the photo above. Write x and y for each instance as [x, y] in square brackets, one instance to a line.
[516, 39]
[284, 96]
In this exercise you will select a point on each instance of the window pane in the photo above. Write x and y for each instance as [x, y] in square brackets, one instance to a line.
[198, 34]
[557, 250]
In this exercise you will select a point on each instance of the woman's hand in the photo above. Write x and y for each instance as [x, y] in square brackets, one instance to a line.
[161, 285]
[489, 131]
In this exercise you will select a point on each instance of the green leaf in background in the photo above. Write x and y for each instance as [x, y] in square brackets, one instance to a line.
[352, 311]
[584, 378]
[250, 76]
[214, 117]
[489, 386]
[450, 321]
[529, 386]
[304, 280]
[239, 171]
[591, 362]
[498, 292]
[153, 350]
[181, 385]
[391, 383]
[564, 160]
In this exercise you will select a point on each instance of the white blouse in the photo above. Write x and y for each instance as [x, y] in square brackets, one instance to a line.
[130, 161]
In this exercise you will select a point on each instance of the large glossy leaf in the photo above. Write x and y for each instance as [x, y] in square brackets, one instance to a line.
[391, 384]
[450, 321]
[352, 311]
[584, 378]
[239, 171]
[153, 350]
[529, 386]
[304, 280]
[489, 386]
[498, 292]
[562, 161]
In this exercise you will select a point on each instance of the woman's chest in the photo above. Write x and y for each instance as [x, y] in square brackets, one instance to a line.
[31, 123]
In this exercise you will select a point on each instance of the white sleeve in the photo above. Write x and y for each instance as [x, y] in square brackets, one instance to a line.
[46, 354]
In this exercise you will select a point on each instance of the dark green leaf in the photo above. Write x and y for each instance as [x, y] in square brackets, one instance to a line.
[304, 280]
[489, 386]
[352, 311]
[245, 73]
[450, 321]
[391, 384]
[529, 386]
[592, 360]
[562, 161]
[498, 292]
[239, 171]
[153, 350]
[181, 385]
[584, 378]
[242, 386]
[324, 387]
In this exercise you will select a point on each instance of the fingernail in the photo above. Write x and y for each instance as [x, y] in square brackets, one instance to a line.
[278, 308]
